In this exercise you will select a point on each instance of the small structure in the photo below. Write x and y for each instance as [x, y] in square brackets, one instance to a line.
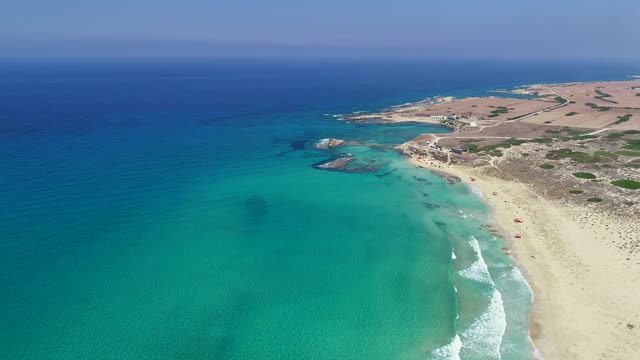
[518, 236]
[518, 220]
[437, 117]
[473, 124]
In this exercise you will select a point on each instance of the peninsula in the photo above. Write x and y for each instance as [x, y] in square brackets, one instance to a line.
[563, 161]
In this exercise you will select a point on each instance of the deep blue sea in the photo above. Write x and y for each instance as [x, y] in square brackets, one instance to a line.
[171, 210]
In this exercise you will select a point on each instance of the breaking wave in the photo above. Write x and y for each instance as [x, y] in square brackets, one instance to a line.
[476, 190]
[483, 338]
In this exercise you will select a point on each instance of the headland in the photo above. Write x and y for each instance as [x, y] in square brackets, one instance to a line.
[560, 166]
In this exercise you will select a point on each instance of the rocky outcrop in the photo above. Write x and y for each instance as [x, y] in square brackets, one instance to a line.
[328, 143]
[339, 163]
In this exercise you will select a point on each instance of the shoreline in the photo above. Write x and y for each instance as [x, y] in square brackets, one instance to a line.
[579, 311]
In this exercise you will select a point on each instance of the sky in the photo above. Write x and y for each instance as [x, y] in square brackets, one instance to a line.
[538, 29]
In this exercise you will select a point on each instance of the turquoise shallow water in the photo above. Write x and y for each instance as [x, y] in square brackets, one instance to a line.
[175, 214]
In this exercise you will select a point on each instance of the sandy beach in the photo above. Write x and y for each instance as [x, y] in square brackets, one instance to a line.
[586, 283]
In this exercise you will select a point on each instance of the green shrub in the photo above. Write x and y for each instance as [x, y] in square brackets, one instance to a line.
[571, 113]
[579, 156]
[594, 199]
[596, 107]
[542, 140]
[627, 184]
[584, 175]
[614, 136]
[628, 153]
[632, 145]
[576, 192]
[495, 152]
[547, 166]
[622, 119]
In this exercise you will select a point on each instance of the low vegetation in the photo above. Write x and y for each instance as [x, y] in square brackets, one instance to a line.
[603, 96]
[622, 119]
[594, 199]
[571, 113]
[560, 99]
[547, 166]
[629, 153]
[632, 145]
[576, 192]
[632, 164]
[627, 184]
[499, 111]
[493, 149]
[614, 136]
[597, 107]
[580, 157]
[584, 175]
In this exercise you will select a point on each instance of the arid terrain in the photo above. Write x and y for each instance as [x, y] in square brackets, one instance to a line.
[579, 142]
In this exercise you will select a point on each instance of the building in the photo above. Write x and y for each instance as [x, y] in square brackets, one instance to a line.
[437, 117]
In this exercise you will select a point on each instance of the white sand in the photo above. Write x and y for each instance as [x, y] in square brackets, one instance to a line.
[587, 289]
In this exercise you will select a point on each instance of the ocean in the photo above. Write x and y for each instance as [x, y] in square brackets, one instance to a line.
[172, 210]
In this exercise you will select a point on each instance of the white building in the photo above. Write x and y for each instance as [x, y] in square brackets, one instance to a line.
[437, 117]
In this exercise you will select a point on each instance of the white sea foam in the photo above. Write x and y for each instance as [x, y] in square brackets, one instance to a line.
[451, 351]
[476, 190]
[484, 336]
[517, 276]
[478, 271]
[453, 255]
[401, 105]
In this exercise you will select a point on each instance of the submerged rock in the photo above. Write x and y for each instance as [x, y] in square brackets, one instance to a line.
[256, 206]
[339, 163]
[453, 179]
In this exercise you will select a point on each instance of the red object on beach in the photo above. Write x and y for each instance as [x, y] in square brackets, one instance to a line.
[518, 236]
[518, 220]
[495, 193]
[473, 179]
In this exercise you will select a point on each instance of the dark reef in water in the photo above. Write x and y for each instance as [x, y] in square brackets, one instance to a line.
[295, 145]
[386, 173]
[423, 180]
[429, 205]
[256, 206]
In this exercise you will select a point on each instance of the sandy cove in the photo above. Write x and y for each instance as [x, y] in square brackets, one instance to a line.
[587, 289]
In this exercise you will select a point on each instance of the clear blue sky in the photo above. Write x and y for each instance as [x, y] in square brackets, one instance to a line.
[333, 28]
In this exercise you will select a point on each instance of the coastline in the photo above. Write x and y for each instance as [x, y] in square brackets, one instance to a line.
[586, 290]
